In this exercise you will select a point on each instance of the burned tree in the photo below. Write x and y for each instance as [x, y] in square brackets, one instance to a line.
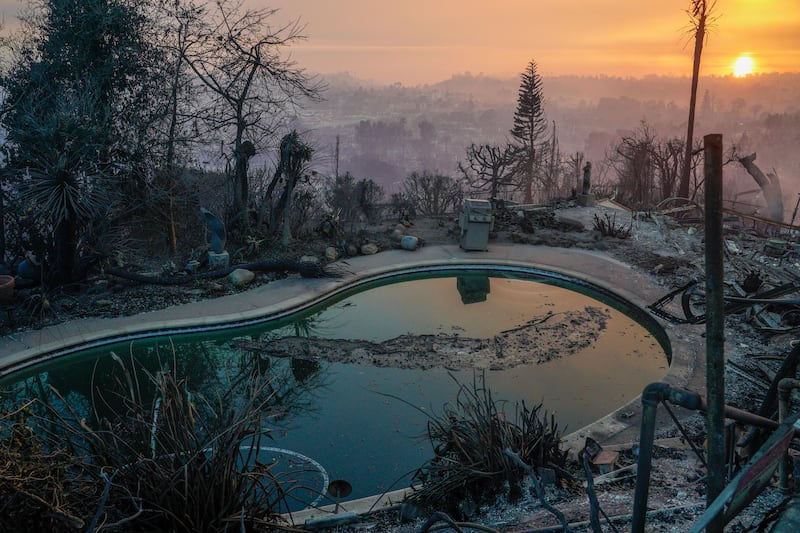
[633, 161]
[433, 194]
[770, 185]
[239, 58]
[699, 13]
[295, 154]
[489, 167]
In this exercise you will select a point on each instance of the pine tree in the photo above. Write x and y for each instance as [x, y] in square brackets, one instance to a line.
[530, 126]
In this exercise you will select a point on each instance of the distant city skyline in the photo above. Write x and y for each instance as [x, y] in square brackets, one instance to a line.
[419, 41]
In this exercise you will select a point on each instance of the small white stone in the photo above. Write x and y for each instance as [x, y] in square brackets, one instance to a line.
[241, 277]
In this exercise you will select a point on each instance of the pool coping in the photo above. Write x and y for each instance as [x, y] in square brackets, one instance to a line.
[686, 368]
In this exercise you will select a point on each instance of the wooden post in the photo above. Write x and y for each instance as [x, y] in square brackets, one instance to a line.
[715, 324]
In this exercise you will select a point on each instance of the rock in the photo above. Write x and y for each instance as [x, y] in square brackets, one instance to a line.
[99, 287]
[518, 238]
[732, 247]
[331, 253]
[352, 251]
[103, 303]
[215, 287]
[409, 512]
[396, 235]
[241, 277]
[570, 223]
[409, 242]
[369, 249]
[310, 259]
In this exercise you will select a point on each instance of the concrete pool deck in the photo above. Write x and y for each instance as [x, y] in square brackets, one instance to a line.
[686, 369]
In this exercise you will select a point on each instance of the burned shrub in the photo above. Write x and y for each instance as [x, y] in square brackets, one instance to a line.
[470, 465]
[608, 227]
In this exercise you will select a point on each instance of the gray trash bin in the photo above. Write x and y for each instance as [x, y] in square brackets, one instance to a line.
[476, 222]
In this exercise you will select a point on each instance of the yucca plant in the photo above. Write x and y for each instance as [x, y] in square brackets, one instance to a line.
[59, 179]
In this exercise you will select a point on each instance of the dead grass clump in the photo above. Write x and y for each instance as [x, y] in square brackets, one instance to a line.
[41, 489]
[166, 459]
[608, 227]
[470, 466]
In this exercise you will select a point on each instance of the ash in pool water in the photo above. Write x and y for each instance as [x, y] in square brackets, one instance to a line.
[540, 343]
[357, 378]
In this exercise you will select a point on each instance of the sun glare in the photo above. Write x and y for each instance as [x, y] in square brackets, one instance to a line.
[743, 66]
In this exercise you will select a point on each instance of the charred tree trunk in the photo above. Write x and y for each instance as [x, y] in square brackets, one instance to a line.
[700, 12]
[65, 250]
[770, 185]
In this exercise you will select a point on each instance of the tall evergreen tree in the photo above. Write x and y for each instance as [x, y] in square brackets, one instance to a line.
[529, 128]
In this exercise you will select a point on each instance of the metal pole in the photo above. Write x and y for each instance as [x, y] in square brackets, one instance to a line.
[651, 396]
[785, 388]
[715, 324]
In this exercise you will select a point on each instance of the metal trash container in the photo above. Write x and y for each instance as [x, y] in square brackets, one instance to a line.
[476, 222]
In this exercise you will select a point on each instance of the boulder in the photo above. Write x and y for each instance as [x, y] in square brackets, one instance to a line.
[409, 242]
[331, 253]
[369, 249]
[310, 259]
[570, 224]
[352, 250]
[241, 277]
[213, 286]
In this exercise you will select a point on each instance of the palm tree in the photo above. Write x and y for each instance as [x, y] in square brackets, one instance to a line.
[698, 12]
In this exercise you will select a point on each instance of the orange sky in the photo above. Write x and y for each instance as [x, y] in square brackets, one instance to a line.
[421, 41]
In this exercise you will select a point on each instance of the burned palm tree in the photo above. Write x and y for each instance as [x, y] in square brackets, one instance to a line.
[699, 14]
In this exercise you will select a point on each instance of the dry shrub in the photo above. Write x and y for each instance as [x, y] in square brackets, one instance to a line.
[41, 489]
[167, 460]
[608, 227]
[469, 437]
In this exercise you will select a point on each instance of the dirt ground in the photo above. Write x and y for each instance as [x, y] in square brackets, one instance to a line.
[669, 250]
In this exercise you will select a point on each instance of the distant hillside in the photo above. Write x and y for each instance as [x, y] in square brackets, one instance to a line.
[385, 132]
[774, 92]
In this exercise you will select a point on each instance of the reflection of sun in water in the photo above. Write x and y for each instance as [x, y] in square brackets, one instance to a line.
[743, 66]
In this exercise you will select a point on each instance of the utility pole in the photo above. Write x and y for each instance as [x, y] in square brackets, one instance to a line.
[336, 161]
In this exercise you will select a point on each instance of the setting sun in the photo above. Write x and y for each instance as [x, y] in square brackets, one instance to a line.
[743, 66]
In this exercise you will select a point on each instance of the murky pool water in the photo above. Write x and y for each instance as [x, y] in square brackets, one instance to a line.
[364, 423]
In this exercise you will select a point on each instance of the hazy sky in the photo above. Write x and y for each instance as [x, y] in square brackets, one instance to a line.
[421, 41]
[415, 41]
